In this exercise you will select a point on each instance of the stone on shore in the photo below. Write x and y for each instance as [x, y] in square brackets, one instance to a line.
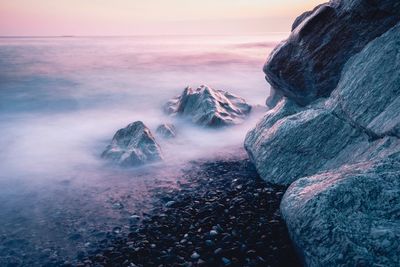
[133, 145]
[209, 107]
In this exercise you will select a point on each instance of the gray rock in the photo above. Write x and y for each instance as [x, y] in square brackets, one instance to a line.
[373, 77]
[166, 131]
[209, 107]
[359, 122]
[274, 98]
[299, 144]
[308, 65]
[133, 145]
[347, 217]
[341, 155]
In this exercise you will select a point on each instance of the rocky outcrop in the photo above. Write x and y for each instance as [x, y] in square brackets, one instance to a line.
[340, 155]
[209, 107]
[166, 131]
[133, 145]
[347, 217]
[359, 122]
[308, 65]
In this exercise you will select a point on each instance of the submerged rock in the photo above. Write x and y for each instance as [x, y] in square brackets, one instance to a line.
[209, 107]
[308, 65]
[166, 131]
[133, 145]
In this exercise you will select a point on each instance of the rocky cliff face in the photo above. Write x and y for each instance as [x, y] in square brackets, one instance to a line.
[308, 65]
[340, 154]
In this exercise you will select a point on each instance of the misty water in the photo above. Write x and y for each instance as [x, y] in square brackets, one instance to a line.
[61, 101]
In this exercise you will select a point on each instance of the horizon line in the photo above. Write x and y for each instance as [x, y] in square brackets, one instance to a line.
[135, 35]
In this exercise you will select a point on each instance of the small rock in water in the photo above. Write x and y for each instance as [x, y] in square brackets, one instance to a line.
[133, 145]
[209, 107]
[117, 230]
[117, 206]
[135, 217]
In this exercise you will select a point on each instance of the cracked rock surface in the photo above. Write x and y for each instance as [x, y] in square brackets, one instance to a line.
[340, 155]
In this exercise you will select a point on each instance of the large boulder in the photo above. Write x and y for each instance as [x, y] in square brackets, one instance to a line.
[209, 107]
[368, 94]
[299, 144]
[133, 145]
[308, 64]
[360, 121]
[341, 155]
[347, 217]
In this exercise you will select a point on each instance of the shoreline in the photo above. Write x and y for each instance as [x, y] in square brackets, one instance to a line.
[221, 214]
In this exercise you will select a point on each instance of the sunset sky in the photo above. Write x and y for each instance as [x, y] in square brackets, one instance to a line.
[139, 17]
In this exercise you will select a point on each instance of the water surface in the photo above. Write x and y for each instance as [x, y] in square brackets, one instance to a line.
[61, 101]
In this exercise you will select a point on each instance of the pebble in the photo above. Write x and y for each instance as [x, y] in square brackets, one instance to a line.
[213, 233]
[195, 256]
[117, 206]
[207, 223]
[226, 261]
[170, 204]
[218, 251]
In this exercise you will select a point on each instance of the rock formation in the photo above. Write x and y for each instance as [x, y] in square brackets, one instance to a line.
[347, 217]
[133, 145]
[166, 131]
[308, 65]
[335, 133]
[359, 122]
[209, 107]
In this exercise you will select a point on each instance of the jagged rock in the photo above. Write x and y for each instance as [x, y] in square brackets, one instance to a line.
[308, 65]
[209, 107]
[340, 155]
[133, 145]
[347, 217]
[340, 130]
[166, 131]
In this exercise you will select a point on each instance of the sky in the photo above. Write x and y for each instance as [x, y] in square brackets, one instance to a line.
[148, 17]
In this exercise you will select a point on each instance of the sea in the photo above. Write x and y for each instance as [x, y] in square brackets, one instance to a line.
[61, 101]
